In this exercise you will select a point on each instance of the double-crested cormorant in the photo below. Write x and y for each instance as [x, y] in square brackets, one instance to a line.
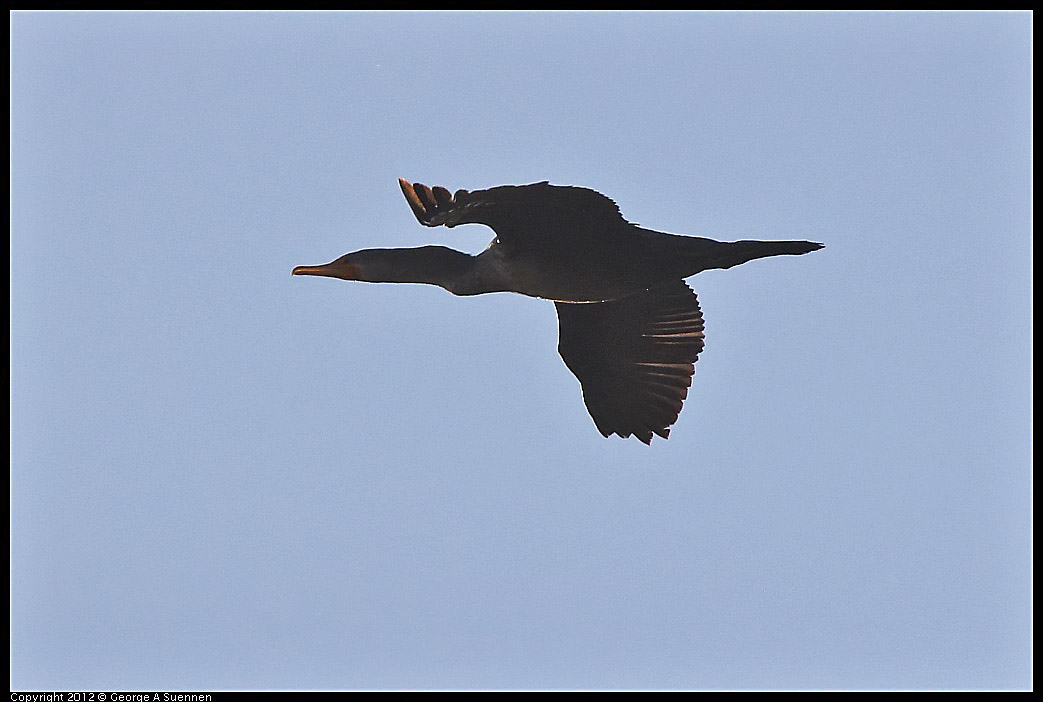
[629, 327]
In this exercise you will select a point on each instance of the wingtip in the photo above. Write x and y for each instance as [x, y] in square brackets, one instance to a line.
[414, 201]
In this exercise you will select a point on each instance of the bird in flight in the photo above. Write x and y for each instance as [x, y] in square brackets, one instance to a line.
[629, 327]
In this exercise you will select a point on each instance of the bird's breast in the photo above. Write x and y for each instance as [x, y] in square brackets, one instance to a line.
[563, 278]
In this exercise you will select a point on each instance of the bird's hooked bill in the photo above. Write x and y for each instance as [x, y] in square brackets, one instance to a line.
[309, 270]
[337, 269]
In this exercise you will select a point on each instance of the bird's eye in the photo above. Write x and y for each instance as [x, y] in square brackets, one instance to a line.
[496, 240]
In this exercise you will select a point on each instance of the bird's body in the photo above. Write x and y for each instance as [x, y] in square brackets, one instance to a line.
[629, 328]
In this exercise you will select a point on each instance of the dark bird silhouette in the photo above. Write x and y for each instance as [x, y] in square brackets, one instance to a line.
[629, 327]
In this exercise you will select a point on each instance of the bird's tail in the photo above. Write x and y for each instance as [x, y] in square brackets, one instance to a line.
[708, 254]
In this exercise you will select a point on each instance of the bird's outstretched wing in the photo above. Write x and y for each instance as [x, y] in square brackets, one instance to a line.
[634, 357]
[523, 214]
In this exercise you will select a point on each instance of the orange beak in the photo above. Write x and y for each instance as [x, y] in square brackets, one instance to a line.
[346, 271]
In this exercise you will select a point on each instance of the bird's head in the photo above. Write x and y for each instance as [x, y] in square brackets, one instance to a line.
[348, 267]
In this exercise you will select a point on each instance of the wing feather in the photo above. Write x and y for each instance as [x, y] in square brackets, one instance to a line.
[634, 357]
[528, 214]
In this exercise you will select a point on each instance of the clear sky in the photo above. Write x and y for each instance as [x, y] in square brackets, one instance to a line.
[225, 477]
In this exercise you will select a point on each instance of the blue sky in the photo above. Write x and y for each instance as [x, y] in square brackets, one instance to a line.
[224, 477]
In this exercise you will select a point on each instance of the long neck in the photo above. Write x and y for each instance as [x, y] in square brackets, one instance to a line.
[455, 271]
